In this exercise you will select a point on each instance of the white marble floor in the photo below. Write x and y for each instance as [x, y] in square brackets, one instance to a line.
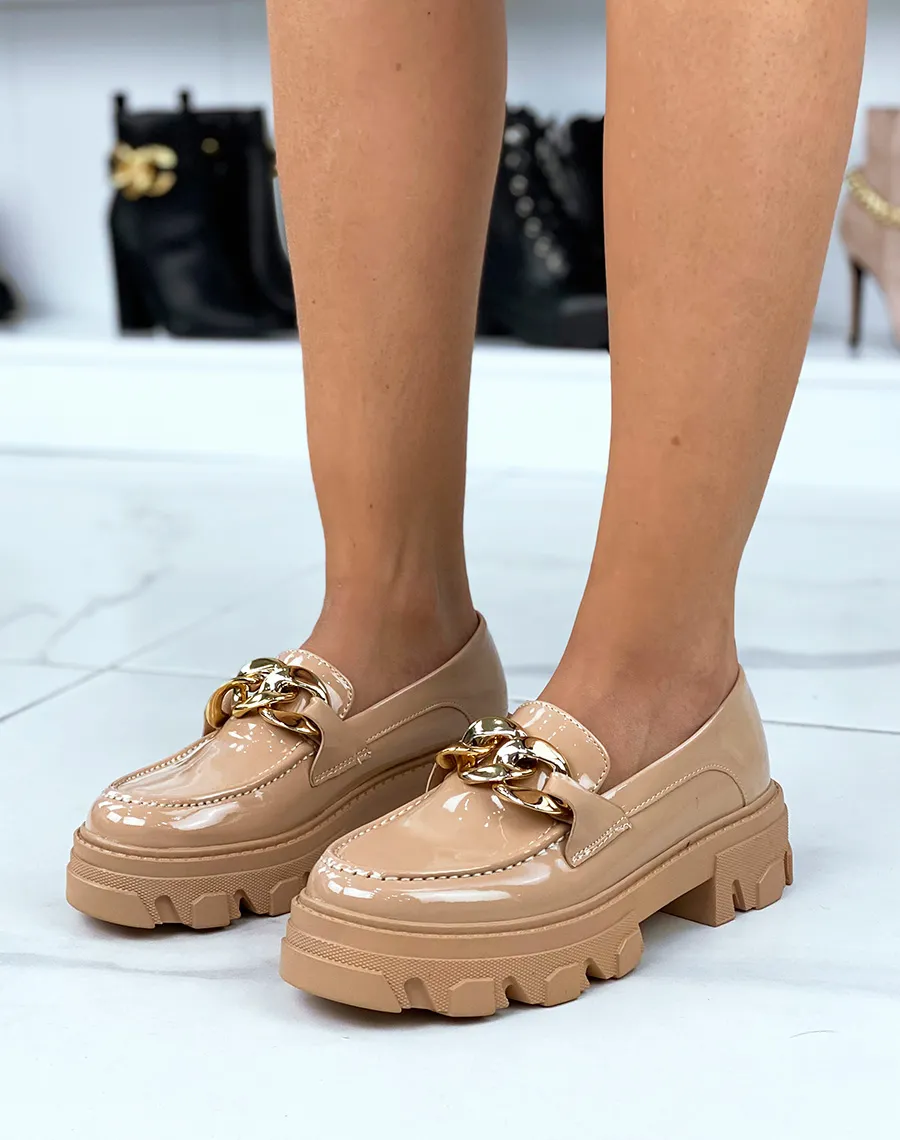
[128, 586]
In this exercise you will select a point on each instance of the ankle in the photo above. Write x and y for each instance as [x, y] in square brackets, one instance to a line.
[641, 714]
[383, 644]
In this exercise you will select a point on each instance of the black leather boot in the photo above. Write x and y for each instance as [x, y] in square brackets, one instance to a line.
[539, 282]
[579, 143]
[243, 163]
[179, 262]
[7, 302]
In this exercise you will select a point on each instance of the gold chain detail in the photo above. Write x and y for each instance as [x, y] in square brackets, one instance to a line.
[495, 752]
[266, 685]
[144, 171]
[875, 204]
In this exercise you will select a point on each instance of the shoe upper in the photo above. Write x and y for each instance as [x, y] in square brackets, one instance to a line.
[466, 853]
[868, 240]
[266, 770]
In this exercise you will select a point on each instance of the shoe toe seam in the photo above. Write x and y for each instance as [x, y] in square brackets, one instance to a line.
[123, 797]
[184, 754]
[348, 868]
[318, 820]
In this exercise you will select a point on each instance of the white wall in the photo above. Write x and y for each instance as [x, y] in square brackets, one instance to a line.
[60, 61]
[58, 68]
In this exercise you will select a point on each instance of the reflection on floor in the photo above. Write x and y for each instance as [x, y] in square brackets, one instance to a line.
[130, 586]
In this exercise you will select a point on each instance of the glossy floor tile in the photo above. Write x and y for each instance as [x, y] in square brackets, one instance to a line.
[130, 587]
[103, 557]
[23, 685]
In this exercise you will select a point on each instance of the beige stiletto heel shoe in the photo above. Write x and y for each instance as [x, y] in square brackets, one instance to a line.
[870, 220]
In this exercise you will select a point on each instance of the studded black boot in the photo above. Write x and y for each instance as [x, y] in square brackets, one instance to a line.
[579, 143]
[540, 283]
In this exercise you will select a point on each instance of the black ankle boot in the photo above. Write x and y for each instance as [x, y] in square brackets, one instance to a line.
[179, 263]
[7, 302]
[539, 283]
[243, 164]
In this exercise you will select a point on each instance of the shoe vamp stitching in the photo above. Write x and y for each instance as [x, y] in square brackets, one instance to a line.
[623, 825]
[331, 857]
[683, 780]
[351, 870]
[663, 866]
[270, 846]
[601, 841]
[414, 716]
[365, 753]
[358, 757]
[618, 828]
[203, 801]
[136, 775]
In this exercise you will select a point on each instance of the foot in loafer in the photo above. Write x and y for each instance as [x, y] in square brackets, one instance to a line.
[524, 871]
[285, 765]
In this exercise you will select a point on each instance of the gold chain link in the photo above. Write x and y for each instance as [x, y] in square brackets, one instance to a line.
[496, 753]
[144, 171]
[265, 686]
[875, 204]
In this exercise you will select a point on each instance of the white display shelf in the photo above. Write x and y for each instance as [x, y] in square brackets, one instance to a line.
[531, 408]
[61, 60]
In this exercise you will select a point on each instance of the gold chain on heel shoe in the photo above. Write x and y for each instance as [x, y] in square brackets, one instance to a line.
[875, 204]
[863, 244]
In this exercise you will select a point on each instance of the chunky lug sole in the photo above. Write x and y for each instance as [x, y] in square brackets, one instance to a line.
[210, 888]
[741, 863]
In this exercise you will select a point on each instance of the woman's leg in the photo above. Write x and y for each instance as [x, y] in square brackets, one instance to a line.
[388, 119]
[728, 127]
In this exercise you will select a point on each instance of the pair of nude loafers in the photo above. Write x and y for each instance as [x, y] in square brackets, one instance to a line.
[433, 851]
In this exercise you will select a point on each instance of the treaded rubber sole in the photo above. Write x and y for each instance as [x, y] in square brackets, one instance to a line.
[745, 865]
[208, 888]
[200, 901]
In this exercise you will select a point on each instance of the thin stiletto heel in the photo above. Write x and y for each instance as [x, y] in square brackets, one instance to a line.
[858, 276]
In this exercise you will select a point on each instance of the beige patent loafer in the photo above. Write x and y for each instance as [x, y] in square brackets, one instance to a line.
[519, 876]
[284, 767]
